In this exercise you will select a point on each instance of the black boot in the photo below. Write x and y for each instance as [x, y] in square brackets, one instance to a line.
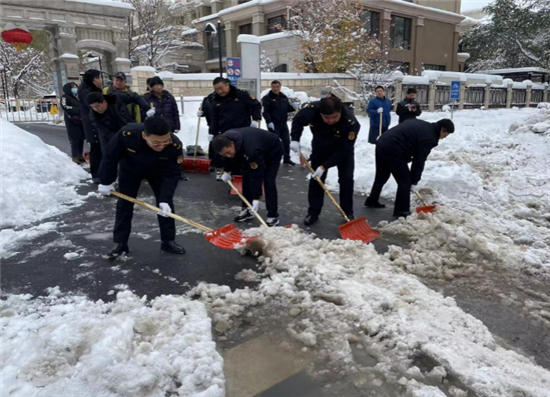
[371, 204]
[351, 217]
[119, 250]
[172, 247]
[289, 162]
[310, 220]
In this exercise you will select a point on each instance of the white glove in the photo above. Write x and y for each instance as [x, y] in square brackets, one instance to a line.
[295, 146]
[271, 126]
[256, 205]
[200, 113]
[296, 105]
[165, 209]
[210, 137]
[414, 188]
[254, 124]
[150, 113]
[319, 172]
[106, 189]
[380, 110]
[226, 176]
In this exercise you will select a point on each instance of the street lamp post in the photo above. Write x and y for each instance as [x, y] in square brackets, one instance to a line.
[210, 28]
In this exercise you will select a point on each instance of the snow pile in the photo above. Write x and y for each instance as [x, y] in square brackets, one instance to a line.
[37, 179]
[341, 294]
[70, 346]
[538, 123]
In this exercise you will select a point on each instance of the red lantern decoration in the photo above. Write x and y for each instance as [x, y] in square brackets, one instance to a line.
[17, 36]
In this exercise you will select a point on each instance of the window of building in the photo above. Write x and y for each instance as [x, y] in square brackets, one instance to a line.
[372, 22]
[282, 68]
[428, 66]
[273, 24]
[212, 42]
[245, 29]
[400, 32]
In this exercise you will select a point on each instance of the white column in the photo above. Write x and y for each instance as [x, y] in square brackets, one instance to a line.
[250, 59]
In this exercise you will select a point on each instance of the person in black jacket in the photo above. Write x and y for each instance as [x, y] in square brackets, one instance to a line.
[91, 82]
[334, 134]
[406, 142]
[164, 103]
[276, 109]
[73, 122]
[231, 108]
[109, 113]
[143, 151]
[408, 108]
[258, 153]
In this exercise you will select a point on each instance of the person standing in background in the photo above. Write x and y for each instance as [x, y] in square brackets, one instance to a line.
[91, 82]
[73, 122]
[379, 112]
[119, 86]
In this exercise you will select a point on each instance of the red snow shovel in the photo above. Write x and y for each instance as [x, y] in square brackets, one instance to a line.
[238, 183]
[426, 208]
[226, 237]
[358, 229]
[194, 165]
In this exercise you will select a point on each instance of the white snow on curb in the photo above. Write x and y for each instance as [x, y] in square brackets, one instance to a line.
[37, 181]
[71, 346]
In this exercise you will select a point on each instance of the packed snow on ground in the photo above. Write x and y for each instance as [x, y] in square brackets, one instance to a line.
[67, 346]
[331, 296]
[38, 181]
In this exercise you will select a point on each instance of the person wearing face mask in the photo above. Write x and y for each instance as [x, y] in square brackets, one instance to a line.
[91, 82]
[334, 131]
[143, 151]
[73, 122]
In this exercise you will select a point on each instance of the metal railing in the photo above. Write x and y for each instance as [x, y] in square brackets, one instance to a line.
[536, 97]
[497, 97]
[475, 97]
[30, 110]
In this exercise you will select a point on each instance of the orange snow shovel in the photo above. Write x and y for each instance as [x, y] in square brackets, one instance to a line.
[358, 229]
[226, 237]
[426, 208]
[194, 165]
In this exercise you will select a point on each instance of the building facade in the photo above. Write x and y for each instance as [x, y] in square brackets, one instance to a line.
[421, 34]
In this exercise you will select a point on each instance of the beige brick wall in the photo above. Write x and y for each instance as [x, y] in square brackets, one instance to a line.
[204, 87]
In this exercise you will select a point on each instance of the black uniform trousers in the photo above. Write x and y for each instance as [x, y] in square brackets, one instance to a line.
[284, 135]
[129, 184]
[374, 132]
[386, 165]
[95, 158]
[270, 185]
[316, 194]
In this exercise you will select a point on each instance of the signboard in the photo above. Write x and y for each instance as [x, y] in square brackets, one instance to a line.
[455, 89]
[234, 71]
[72, 70]
[248, 85]
[56, 84]
[63, 77]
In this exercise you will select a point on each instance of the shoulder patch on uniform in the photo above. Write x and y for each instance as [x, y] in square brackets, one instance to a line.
[254, 165]
[311, 106]
[351, 136]
[351, 121]
[126, 133]
[131, 150]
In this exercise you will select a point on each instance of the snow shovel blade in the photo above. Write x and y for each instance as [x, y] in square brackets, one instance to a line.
[238, 182]
[198, 166]
[227, 237]
[426, 209]
[358, 229]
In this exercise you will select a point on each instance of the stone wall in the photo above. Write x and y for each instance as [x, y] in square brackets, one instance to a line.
[201, 84]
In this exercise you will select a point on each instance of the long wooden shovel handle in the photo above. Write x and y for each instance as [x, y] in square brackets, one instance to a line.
[380, 127]
[304, 160]
[197, 138]
[421, 198]
[247, 203]
[156, 209]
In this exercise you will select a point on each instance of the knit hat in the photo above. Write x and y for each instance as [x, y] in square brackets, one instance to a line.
[154, 81]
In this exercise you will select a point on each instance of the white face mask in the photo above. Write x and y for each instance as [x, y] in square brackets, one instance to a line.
[74, 90]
